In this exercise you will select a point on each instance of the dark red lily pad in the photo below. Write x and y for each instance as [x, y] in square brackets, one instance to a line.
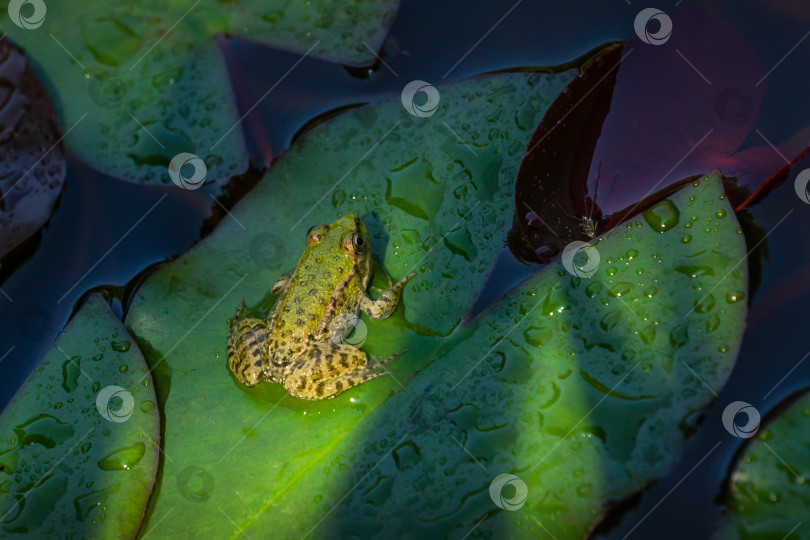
[32, 162]
[636, 119]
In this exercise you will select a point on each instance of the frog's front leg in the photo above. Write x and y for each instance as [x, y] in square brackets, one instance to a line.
[385, 305]
[247, 348]
[325, 370]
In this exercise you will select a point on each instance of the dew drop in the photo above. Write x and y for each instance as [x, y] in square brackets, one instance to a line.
[663, 216]
[147, 406]
[120, 346]
[123, 459]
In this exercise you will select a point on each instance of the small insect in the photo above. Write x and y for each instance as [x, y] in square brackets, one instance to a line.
[588, 223]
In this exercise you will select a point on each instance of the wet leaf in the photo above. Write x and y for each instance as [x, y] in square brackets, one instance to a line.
[583, 388]
[32, 163]
[136, 83]
[638, 118]
[768, 496]
[433, 202]
[78, 450]
[579, 386]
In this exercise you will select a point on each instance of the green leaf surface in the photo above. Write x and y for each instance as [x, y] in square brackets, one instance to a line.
[245, 440]
[582, 388]
[136, 82]
[768, 496]
[65, 469]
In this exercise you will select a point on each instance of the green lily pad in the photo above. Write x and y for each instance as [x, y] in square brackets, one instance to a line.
[582, 388]
[135, 83]
[768, 496]
[370, 161]
[584, 398]
[78, 443]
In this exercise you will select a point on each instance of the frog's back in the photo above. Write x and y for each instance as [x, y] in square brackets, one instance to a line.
[320, 287]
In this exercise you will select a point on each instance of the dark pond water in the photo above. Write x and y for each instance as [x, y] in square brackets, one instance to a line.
[93, 240]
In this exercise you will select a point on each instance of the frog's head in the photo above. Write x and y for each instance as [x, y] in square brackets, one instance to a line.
[347, 235]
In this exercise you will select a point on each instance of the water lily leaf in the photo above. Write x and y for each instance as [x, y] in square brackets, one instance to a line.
[32, 163]
[136, 83]
[432, 202]
[617, 136]
[768, 495]
[78, 443]
[579, 386]
[582, 388]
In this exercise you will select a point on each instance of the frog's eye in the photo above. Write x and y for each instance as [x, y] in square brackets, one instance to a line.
[315, 234]
[352, 243]
[358, 243]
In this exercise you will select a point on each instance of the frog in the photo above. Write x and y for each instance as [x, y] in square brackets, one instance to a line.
[301, 344]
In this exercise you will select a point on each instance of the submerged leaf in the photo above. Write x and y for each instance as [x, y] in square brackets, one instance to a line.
[78, 443]
[32, 162]
[637, 118]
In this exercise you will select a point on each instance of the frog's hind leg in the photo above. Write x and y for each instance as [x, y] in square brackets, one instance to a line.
[247, 348]
[327, 369]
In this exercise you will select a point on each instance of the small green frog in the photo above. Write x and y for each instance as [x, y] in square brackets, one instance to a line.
[301, 344]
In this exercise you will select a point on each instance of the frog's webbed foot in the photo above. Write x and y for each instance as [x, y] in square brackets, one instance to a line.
[326, 369]
[384, 361]
[247, 348]
[385, 305]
